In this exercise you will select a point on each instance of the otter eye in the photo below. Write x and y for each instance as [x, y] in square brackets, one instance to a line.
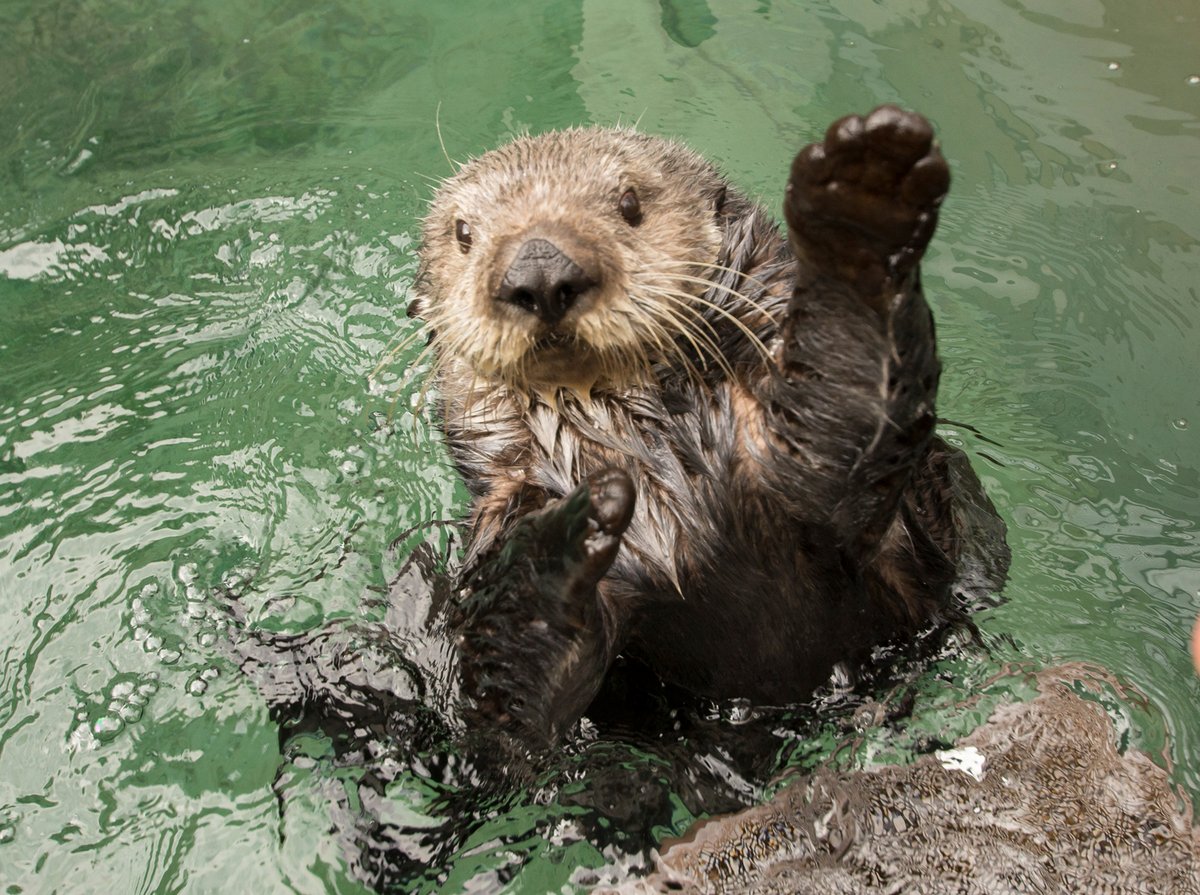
[462, 232]
[630, 208]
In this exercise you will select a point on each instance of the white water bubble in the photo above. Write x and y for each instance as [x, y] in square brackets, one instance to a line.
[168, 656]
[153, 642]
[210, 674]
[1193, 80]
[1180, 423]
[197, 686]
[139, 614]
[81, 739]
[122, 690]
[108, 725]
[967, 759]
[187, 573]
[1114, 66]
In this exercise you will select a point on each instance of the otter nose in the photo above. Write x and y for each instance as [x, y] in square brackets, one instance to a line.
[543, 281]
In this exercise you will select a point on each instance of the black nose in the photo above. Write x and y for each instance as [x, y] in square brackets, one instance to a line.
[543, 281]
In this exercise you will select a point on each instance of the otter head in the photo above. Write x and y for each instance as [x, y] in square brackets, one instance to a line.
[569, 260]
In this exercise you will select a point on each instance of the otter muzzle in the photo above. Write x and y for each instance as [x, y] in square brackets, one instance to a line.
[543, 281]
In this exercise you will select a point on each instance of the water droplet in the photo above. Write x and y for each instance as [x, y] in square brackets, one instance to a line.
[148, 689]
[1114, 66]
[206, 638]
[122, 690]
[1112, 166]
[197, 687]
[1181, 424]
[168, 656]
[153, 642]
[108, 725]
[1193, 80]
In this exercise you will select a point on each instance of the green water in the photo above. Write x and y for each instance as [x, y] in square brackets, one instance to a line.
[207, 223]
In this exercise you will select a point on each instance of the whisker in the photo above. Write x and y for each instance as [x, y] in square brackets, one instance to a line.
[728, 290]
[712, 265]
[683, 302]
[437, 125]
[659, 315]
[392, 352]
[675, 323]
[746, 331]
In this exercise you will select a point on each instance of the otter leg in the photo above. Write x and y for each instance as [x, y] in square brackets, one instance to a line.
[535, 639]
[853, 395]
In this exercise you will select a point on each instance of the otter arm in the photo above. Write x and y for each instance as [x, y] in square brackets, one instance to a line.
[852, 397]
[535, 638]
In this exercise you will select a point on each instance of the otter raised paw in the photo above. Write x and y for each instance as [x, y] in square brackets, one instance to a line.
[863, 203]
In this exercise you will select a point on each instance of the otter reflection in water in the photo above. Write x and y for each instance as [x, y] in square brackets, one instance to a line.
[690, 440]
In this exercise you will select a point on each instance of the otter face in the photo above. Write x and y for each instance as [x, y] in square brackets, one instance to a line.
[569, 260]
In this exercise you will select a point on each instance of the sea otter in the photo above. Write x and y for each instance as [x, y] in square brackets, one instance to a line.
[690, 439]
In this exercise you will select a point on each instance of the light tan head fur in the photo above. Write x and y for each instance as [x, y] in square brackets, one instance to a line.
[567, 187]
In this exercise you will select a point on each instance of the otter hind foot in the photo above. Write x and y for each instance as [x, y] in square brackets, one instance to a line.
[533, 636]
[862, 205]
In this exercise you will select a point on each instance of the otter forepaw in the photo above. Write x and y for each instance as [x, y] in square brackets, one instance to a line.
[864, 202]
[534, 639]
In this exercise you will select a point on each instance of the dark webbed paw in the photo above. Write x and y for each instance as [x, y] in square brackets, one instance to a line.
[534, 638]
[862, 205]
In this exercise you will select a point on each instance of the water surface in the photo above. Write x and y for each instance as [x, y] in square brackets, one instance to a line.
[207, 223]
